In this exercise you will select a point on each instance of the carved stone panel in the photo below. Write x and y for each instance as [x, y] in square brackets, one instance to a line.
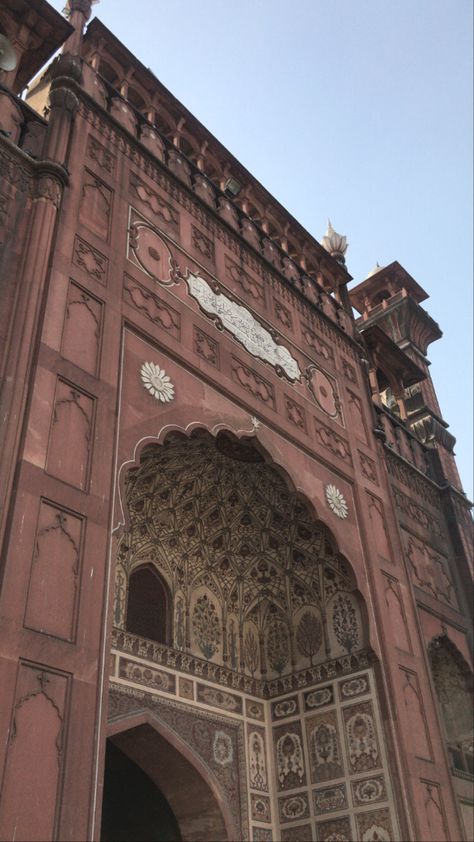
[82, 330]
[219, 698]
[157, 679]
[396, 609]
[102, 156]
[322, 735]
[330, 799]
[206, 347]
[34, 761]
[318, 698]
[261, 834]
[361, 738]
[332, 441]
[434, 814]
[349, 371]
[166, 215]
[300, 833]
[150, 305]
[257, 758]
[244, 282]
[91, 261]
[254, 709]
[295, 413]
[293, 808]
[323, 390]
[379, 524]
[356, 414]
[430, 571]
[285, 708]
[416, 716]
[260, 808]
[283, 314]
[51, 605]
[96, 206]
[289, 758]
[148, 250]
[368, 467]
[70, 439]
[375, 826]
[339, 829]
[316, 344]
[369, 790]
[261, 389]
[203, 244]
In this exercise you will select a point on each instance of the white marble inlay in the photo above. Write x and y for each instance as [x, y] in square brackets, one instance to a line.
[241, 324]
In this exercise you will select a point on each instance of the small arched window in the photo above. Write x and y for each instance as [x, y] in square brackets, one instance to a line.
[148, 607]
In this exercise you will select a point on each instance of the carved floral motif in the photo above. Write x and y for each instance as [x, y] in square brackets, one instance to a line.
[330, 799]
[293, 807]
[289, 758]
[336, 501]
[157, 382]
[257, 760]
[206, 626]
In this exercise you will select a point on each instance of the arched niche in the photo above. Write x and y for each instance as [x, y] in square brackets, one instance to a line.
[453, 682]
[225, 527]
[148, 605]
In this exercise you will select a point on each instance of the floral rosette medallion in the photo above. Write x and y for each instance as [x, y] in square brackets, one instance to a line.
[157, 382]
[336, 501]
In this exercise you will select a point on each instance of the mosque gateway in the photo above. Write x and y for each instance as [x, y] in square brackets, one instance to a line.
[235, 547]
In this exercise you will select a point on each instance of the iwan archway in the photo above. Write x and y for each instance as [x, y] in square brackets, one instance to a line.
[239, 624]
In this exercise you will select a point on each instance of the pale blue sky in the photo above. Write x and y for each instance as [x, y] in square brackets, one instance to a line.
[360, 110]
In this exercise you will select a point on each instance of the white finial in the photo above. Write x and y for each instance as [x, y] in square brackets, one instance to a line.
[334, 243]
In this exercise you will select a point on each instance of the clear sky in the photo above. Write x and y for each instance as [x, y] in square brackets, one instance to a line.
[357, 110]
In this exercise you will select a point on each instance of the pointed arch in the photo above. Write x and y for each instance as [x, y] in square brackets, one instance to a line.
[177, 770]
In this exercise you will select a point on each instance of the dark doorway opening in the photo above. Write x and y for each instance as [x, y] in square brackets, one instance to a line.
[134, 809]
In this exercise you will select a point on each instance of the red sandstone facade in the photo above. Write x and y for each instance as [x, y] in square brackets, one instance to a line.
[234, 543]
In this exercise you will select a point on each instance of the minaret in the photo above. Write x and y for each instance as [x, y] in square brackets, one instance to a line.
[390, 298]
